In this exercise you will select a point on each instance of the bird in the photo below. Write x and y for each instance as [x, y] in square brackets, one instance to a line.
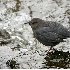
[5, 37]
[49, 33]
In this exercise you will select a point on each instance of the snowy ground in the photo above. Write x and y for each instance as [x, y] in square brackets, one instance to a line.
[25, 49]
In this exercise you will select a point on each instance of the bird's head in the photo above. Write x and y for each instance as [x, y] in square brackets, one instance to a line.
[35, 23]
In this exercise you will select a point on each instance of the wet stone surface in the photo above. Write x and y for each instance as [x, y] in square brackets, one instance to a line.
[57, 59]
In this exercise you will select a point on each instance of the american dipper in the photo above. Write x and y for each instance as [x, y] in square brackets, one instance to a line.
[48, 33]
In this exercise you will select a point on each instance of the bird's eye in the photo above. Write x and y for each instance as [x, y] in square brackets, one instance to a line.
[34, 22]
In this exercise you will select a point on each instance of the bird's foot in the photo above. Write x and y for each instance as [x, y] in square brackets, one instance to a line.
[50, 50]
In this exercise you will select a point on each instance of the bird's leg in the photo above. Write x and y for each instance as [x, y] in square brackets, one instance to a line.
[51, 48]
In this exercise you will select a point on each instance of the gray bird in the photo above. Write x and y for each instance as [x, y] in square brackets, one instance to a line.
[48, 33]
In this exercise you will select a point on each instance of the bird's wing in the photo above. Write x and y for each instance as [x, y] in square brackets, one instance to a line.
[58, 28]
[47, 35]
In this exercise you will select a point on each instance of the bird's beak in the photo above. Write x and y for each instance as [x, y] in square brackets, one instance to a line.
[27, 23]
